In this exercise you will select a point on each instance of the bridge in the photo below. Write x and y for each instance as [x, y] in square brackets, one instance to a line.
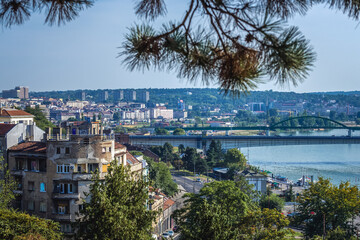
[287, 124]
[203, 141]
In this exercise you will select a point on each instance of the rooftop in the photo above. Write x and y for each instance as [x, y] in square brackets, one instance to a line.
[5, 128]
[13, 113]
[31, 147]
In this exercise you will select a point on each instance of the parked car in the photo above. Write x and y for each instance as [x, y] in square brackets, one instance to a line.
[293, 214]
[171, 233]
[165, 235]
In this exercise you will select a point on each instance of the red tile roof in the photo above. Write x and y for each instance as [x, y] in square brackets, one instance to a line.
[118, 145]
[5, 128]
[13, 112]
[168, 203]
[34, 147]
[131, 159]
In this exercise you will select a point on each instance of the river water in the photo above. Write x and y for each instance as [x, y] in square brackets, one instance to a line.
[339, 162]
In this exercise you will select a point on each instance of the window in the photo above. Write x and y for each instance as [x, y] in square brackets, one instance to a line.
[65, 188]
[58, 150]
[67, 150]
[109, 149]
[42, 187]
[31, 205]
[63, 168]
[32, 165]
[66, 228]
[31, 186]
[42, 206]
[104, 149]
[93, 167]
[61, 209]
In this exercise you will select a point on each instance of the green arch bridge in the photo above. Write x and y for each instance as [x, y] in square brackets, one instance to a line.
[313, 122]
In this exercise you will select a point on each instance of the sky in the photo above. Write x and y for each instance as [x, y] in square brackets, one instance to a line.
[83, 53]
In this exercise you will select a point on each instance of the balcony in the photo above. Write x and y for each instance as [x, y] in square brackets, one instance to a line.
[18, 192]
[16, 172]
[81, 176]
[62, 217]
[66, 196]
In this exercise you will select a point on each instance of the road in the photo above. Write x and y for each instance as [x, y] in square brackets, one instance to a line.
[188, 184]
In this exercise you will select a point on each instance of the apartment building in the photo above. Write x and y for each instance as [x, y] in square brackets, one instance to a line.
[17, 92]
[161, 112]
[15, 116]
[54, 175]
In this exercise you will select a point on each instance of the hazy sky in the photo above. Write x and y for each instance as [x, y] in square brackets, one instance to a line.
[82, 54]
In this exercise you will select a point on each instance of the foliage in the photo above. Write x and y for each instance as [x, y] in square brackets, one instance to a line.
[117, 207]
[272, 201]
[289, 194]
[234, 156]
[181, 148]
[7, 186]
[161, 131]
[192, 161]
[179, 131]
[222, 210]
[214, 154]
[337, 204]
[40, 119]
[17, 225]
[161, 177]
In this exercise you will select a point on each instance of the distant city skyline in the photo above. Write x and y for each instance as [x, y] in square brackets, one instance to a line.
[83, 53]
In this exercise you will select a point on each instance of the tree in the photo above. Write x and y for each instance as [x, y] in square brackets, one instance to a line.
[7, 186]
[179, 131]
[235, 156]
[334, 205]
[222, 210]
[161, 131]
[17, 225]
[231, 43]
[160, 174]
[214, 154]
[116, 209]
[190, 158]
[181, 148]
[117, 116]
[273, 112]
[272, 202]
[40, 119]
[332, 115]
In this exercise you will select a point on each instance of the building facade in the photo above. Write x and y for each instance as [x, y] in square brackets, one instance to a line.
[53, 176]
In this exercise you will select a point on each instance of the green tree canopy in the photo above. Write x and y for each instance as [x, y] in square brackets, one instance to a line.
[336, 204]
[117, 207]
[40, 119]
[7, 186]
[161, 177]
[235, 156]
[179, 131]
[161, 131]
[17, 225]
[214, 154]
[272, 202]
[222, 210]
[231, 43]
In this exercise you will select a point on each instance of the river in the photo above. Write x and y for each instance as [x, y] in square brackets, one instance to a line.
[339, 162]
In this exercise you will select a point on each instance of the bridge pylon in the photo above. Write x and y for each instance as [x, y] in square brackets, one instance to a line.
[349, 132]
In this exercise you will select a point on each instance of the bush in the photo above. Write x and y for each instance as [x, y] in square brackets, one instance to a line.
[18, 225]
